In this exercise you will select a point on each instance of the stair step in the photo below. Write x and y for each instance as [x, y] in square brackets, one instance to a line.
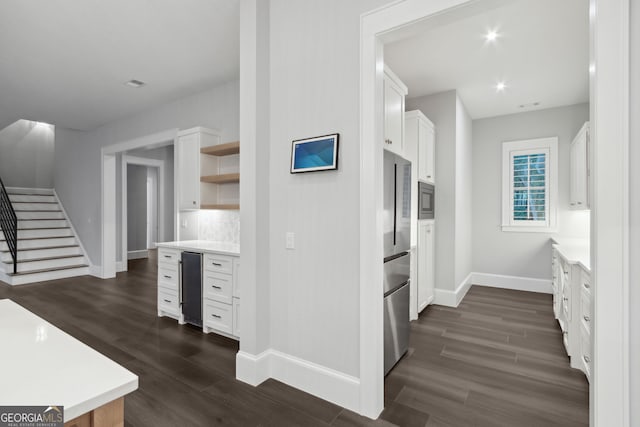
[36, 224]
[36, 206]
[24, 244]
[45, 264]
[41, 233]
[26, 215]
[32, 198]
[46, 252]
[51, 274]
[30, 191]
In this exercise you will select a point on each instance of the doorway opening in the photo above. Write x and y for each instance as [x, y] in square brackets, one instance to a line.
[609, 57]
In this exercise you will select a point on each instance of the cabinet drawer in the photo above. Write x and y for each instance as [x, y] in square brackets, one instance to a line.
[171, 256]
[218, 286]
[585, 281]
[218, 263]
[585, 350]
[168, 276]
[168, 301]
[585, 310]
[218, 315]
[236, 317]
[236, 277]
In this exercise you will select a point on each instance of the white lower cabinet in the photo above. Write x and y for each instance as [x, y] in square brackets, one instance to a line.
[426, 263]
[220, 290]
[572, 306]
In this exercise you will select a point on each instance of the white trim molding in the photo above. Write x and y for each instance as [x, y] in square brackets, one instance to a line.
[143, 253]
[517, 283]
[328, 384]
[453, 298]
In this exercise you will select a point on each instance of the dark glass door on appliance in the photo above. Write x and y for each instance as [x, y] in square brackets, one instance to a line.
[192, 288]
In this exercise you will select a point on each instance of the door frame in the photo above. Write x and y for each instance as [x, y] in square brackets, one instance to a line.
[609, 389]
[108, 217]
[139, 161]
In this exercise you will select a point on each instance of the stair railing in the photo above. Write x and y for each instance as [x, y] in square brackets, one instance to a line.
[9, 225]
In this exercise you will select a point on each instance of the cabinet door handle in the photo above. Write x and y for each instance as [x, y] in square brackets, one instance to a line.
[428, 176]
[216, 316]
[565, 299]
[586, 285]
[572, 204]
[587, 359]
[216, 287]
[167, 256]
[217, 264]
[167, 277]
[586, 318]
[168, 301]
[194, 202]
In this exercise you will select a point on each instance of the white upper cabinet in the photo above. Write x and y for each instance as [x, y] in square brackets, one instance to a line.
[187, 164]
[420, 133]
[579, 169]
[394, 93]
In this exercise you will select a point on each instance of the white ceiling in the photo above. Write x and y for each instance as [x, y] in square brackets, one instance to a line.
[64, 62]
[542, 54]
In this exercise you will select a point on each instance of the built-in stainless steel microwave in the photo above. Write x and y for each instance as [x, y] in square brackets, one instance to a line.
[426, 200]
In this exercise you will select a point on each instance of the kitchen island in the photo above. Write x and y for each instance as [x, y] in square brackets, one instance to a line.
[41, 365]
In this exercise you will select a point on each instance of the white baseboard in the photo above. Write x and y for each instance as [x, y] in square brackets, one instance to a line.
[513, 282]
[325, 383]
[453, 298]
[251, 369]
[143, 253]
[95, 271]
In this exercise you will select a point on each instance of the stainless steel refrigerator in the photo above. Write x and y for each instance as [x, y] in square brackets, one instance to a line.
[397, 241]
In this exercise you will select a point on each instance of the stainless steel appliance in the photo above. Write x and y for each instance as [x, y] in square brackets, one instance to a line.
[191, 287]
[397, 235]
[426, 200]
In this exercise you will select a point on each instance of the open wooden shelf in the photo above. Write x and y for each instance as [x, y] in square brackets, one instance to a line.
[225, 207]
[222, 149]
[221, 179]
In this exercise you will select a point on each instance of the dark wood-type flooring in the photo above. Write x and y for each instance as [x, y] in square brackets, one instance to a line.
[496, 360]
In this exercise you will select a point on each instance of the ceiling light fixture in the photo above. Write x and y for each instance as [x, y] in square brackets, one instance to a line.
[501, 86]
[491, 36]
[135, 83]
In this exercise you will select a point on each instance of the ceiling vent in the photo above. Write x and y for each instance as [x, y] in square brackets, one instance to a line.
[135, 83]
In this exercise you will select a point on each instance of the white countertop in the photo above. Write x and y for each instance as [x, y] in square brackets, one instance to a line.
[576, 251]
[203, 246]
[42, 365]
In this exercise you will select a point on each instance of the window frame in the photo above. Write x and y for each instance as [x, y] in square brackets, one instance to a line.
[548, 146]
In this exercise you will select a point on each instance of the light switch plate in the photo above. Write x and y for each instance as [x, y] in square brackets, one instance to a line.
[290, 237]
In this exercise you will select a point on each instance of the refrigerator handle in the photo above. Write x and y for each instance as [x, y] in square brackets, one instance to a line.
[180, 272]
[395, 202]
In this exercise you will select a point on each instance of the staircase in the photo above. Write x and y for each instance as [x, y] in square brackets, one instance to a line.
[47, 246]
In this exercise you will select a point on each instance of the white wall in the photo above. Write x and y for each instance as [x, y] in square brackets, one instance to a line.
[441, 110]
[512, 253]
[314, 81]
[634, 193]
[77, 154]
[26, 154]
[464, 193]
[136, 208]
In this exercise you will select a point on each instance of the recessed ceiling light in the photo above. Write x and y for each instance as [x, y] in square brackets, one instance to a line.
[501, 86]
[135, 83]
[491, 35]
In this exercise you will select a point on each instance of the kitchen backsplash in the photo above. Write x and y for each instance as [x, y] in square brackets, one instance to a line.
[219, 226]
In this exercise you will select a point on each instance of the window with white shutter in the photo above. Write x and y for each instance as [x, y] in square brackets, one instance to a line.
[529, 185]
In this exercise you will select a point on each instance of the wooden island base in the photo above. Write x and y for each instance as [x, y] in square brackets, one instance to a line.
[108, 415]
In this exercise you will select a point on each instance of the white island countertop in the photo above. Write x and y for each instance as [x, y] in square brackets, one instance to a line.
[575, 251]
[203, 246]
[42, 365]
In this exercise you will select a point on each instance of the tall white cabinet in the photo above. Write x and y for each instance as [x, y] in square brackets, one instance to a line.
[579, 169]
[419, 148]
[394, 93]
[187, 164]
